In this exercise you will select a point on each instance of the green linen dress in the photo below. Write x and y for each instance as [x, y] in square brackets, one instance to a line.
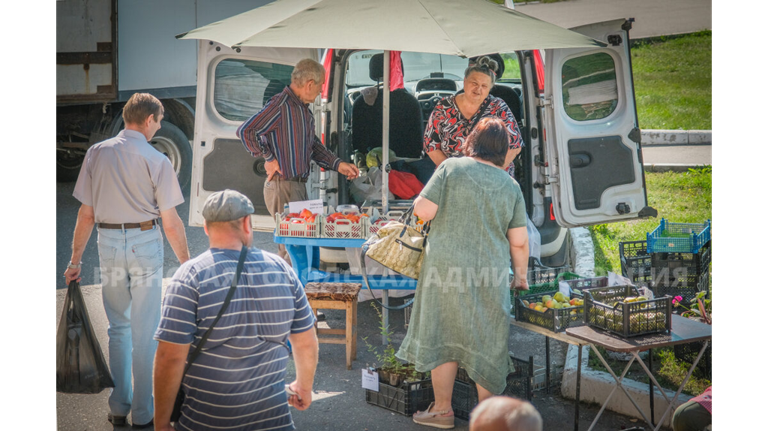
[461, 307]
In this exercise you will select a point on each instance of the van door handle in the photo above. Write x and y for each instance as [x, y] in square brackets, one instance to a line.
[579, 160]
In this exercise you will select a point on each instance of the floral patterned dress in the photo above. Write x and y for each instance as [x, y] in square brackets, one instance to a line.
[447, 128]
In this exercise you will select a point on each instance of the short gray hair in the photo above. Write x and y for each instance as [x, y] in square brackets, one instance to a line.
[307, 69]
[484, 65]
[514, 413]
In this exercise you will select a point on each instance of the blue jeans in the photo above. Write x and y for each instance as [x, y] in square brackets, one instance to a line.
[131, 264]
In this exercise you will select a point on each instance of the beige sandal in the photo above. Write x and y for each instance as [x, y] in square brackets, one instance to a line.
[434, 419]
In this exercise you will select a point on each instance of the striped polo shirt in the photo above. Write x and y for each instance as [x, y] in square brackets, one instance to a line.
[238, 381]
[285, 130]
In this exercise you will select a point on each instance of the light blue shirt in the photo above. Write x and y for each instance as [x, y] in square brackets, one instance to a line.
[125, 180]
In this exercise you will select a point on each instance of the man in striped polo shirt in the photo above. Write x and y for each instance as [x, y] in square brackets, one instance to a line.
[283, 132]
[238, 381]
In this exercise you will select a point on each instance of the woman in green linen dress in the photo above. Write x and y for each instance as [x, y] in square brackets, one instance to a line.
[460, 313]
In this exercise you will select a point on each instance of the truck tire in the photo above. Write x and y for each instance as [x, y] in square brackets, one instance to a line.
[172, 142]
[68, 164]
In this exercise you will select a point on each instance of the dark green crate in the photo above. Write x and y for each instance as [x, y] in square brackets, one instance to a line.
[551, 284]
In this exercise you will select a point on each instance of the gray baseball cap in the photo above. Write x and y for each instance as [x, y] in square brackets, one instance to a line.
[226, 205]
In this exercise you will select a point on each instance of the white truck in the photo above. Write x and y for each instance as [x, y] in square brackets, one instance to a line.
[106, 50]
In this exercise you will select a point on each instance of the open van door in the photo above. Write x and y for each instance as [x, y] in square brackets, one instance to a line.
[232, 85]
[592, 136]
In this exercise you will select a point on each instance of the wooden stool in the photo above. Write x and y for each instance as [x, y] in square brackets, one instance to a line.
[336, 296]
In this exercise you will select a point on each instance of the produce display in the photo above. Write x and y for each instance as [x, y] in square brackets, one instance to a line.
[622, 311]
[550, 310]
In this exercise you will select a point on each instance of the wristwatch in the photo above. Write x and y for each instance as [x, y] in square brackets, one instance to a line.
[73, 266]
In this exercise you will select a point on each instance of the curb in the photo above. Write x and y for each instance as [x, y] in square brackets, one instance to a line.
[583, 252]
[596, 385]
[676, 137]
[670, 167]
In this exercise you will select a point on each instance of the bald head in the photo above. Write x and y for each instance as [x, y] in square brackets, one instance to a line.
[505, 414]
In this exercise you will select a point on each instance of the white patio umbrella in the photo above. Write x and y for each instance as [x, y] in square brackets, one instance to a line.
[465, 28]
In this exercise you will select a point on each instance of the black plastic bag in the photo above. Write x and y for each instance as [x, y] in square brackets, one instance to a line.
[80, 364]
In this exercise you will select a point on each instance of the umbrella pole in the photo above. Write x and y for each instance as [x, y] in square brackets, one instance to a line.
[385, 175]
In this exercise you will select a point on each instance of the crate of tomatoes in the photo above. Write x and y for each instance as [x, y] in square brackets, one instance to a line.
[305, 224]
[346, 224]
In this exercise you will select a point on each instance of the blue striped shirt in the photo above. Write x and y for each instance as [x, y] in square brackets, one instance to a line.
[285, 130]
[237, 382]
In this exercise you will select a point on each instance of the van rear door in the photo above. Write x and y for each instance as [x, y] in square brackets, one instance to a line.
[592, 136]
[232, 85]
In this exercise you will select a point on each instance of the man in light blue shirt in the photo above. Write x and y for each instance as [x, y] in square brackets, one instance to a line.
[125, 187]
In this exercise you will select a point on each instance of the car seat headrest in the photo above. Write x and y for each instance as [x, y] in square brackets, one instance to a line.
[376, 67]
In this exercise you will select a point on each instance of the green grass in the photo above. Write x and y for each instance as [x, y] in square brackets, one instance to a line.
[678, 197]
[673, 82]
[667, 370]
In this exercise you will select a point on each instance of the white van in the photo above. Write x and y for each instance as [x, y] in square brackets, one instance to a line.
[581, 164]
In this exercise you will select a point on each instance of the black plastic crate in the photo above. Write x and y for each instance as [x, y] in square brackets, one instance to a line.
[519, 385]
[682, 288]
[684, 263]
[636, 262]
[464, 399]
[539, 275]
[626, 319]
[406, 398]
[688, 352]
[554, 319]
[673, 274]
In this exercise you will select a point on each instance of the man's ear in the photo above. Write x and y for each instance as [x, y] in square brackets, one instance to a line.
[205, 228]
[247, 224]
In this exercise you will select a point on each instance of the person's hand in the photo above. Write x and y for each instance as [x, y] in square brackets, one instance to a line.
[349, 170]
[72, 274]
[520, 283]
[303, 397]
[272, 168]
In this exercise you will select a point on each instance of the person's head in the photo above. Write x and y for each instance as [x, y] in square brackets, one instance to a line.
[488, 141]
[307, 80]
[227, 217]
[505, 414]
[479, 78]
[143, 112]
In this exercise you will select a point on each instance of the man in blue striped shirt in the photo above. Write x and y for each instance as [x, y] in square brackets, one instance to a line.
[238, 381]
[283, 132]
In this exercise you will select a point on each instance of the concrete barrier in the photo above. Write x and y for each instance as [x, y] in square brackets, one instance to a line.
[676, 137]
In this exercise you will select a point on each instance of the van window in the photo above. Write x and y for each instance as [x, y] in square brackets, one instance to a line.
[417, 65]
[589, 87]
[242, 87]
[511, 68]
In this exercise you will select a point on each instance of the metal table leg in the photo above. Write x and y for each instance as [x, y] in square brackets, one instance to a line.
[546, 349]
[578, 390]
[618, 385]
[682, 385]
[384, 315]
